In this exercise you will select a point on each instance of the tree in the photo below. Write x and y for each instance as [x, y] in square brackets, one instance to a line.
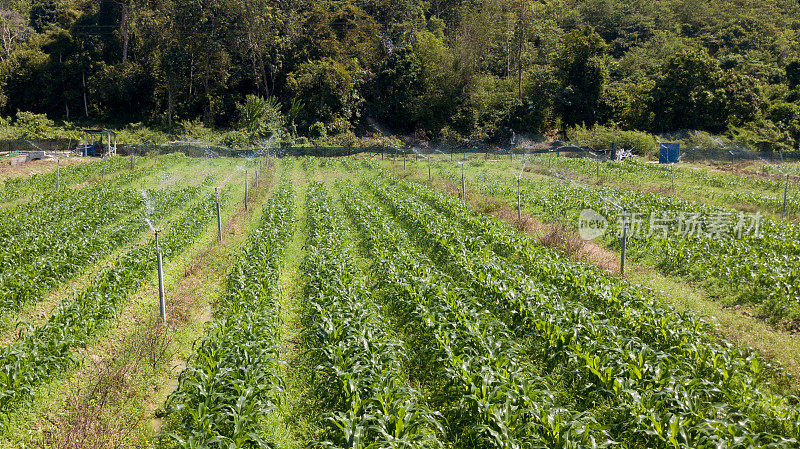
[13, 31]
[329, 89]
[397, 86]
[683, 95]
[583, 73]
[793, 74]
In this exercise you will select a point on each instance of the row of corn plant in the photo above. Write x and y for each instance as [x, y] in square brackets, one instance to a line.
[731, 189]
[729, 257]
[233, 378]
[661, 371]
[66, 209]
[113, 172]
[50, 256]
[359, 379]
[47, 350]
[481, 377]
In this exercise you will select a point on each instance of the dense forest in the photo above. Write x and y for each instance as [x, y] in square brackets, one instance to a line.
[441, 70]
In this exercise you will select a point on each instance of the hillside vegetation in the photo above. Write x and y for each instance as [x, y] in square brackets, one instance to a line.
[443, 70]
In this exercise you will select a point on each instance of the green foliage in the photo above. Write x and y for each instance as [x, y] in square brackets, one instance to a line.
[412, 67]
[138, 133]
[583, 72]
[327, 85]
[259, 117]
[705, 141]
[601, 137]
[33, 126]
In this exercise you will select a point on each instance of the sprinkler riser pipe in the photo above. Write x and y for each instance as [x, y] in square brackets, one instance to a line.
[785, 195]
[624, 244]
[162, 310]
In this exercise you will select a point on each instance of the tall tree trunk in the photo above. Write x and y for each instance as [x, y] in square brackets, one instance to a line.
[125, 33]
[519, 64]
[63, 84]
[169, 102]
[85, 101]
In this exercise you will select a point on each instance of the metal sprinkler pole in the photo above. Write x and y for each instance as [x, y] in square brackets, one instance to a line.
[161, 305]
[245, 190]
[429, 169]
[598, 169]
[624, 244]
[219, 218]
[404, 160]
[58, 174]
[463, 185]
[519, 201]
[785, 194]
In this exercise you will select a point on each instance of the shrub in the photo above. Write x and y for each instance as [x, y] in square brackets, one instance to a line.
[260, 117]
[138, 133]
[600, 137]
[33, 126]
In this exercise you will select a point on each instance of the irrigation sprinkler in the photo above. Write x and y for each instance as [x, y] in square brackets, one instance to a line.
[58, 174]
[161, 306]
[511, 155]
[256, 186]
[219, 218]
[404, 160]
[785, 194]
